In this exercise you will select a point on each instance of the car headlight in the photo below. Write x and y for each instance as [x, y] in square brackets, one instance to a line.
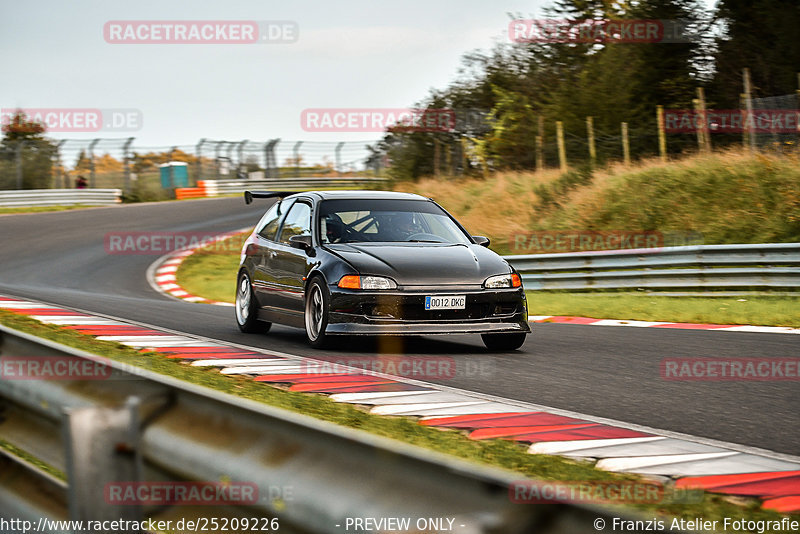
[503, 281]
[354, 281]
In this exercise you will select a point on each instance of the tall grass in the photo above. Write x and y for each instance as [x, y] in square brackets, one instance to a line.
[726, 197]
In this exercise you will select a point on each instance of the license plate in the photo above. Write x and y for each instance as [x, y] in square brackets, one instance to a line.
[446, 302]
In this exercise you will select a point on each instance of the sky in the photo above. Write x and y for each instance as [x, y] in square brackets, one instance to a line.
[351, 54]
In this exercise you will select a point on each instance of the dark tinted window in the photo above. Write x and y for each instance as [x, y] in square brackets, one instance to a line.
[386, 220]
[268, 224]
[298, 222]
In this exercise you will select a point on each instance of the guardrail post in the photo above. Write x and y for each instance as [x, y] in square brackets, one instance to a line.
[57, 162]
[171, 167]
[338, 152]
[217, 157]
[91, 162]
[274, 170]
[20, 145]
[240, 162]
[231, 146]
[296, 152]
[266, 159]
[199, 151]
[126, 162]
[102, 461]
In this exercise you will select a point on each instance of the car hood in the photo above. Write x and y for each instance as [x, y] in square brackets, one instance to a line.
[423, 263]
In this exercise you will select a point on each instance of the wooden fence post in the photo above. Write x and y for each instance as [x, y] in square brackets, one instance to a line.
[562, 150]
[701, 101]
[748, 99]
[540, 146]
[662, 133]
[626, 148]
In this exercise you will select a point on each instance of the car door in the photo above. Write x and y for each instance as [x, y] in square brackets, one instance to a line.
[290, 265]
[266, 234]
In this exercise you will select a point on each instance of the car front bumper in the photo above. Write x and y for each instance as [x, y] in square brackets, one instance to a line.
[403, 312]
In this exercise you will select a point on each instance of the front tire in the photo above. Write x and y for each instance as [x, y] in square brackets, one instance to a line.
[246, 307]
[503, 341]
[316, 313]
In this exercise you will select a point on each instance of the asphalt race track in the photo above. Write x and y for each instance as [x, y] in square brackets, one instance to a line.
[613, 372]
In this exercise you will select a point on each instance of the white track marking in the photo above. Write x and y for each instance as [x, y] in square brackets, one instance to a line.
[426, 397]
[414, 409]
[234, 362]
[566, 447]
[364, 398]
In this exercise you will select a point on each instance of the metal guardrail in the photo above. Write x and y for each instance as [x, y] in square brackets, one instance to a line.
[138, 425]
[224, 187]
[775, 265]
[59, 197]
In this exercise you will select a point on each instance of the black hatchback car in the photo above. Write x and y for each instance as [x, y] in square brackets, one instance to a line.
[374, 262]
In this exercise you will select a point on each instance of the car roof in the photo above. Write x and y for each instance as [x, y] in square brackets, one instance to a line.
[360, 194]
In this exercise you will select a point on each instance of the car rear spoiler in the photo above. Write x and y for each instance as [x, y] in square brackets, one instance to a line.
[250, 195]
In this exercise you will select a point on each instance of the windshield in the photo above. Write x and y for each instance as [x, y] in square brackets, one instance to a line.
[385, 220]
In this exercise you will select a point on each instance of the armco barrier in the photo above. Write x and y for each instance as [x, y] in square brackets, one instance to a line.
[226, 187]
[59, 197]
[141, 426]
[771, 266]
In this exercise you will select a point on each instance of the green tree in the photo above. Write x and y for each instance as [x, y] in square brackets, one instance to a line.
[24, 144]
[510, 144]
[763, 36]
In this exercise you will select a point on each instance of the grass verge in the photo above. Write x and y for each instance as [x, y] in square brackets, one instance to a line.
[211, 271]
[42, 209]
[498, 453]
[764, 310]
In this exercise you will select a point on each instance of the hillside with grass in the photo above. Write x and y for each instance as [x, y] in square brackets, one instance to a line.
[725, 197]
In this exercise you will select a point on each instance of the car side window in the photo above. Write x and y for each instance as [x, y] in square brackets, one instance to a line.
[297, 222]
[268, 224]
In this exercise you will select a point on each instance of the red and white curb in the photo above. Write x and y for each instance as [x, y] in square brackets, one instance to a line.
[567, 319]
[161, 273]
[689, 461]
[161, 276]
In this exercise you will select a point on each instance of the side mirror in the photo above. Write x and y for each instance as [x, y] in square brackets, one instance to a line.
[302, 242]
[481, 240]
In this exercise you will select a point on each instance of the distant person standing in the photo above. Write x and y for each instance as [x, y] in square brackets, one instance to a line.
[80, 182]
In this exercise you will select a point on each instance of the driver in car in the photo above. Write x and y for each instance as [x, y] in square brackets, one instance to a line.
[402, 227]
[334, 228]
